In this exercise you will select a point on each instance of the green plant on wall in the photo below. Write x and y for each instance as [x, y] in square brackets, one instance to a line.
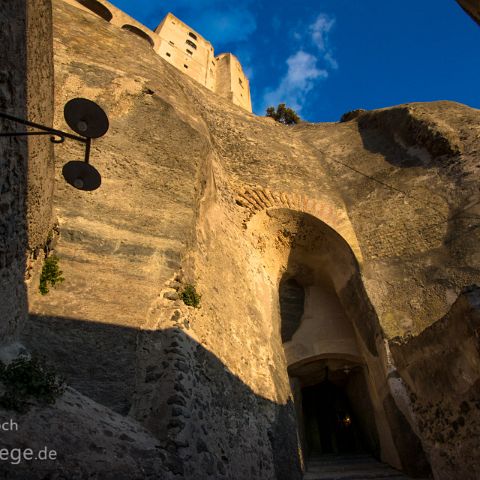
[27, 379]
[51, 274]
[190, 296]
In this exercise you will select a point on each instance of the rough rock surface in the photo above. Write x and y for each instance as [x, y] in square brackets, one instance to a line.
[84, 437]
[26, 164]
[446, 400]
[472, 8]
[196, 190]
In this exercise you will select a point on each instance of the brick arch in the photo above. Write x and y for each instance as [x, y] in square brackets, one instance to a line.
[97, 8]
[257, 199]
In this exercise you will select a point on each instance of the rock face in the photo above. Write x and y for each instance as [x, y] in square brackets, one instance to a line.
[472, 8]
[378, 214]
[83, 439]
[27, 165]
[446, 400]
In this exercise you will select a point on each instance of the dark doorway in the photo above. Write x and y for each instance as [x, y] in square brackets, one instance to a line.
[330, 423]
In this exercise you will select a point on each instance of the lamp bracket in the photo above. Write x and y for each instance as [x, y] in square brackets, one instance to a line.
[56, 136]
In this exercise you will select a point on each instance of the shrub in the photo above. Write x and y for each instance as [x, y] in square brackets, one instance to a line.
[346, 117]
[283, 114]
[26, 379]
[51, 274]
[190, 296]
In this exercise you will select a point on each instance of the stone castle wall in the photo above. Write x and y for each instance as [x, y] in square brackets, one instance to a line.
[187, 50]
[184, 48]
[231, 82]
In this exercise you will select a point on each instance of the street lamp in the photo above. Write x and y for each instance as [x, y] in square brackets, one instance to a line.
[89, 121]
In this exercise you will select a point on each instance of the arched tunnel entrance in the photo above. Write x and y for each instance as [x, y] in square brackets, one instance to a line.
[332, 397]
[333, 345]
[334, 408]
[329, 423]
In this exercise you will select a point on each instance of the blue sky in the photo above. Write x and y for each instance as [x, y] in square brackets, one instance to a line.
[326, 57]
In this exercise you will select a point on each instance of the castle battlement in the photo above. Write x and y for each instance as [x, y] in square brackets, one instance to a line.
[184, 48]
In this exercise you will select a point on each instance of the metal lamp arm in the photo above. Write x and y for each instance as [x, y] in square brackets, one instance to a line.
[57, 136]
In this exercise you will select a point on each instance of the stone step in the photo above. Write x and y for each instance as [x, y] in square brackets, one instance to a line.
[355, 475]
[349, 467]
[343, 459]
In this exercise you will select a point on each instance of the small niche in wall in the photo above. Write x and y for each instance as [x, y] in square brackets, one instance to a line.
[97, 8]
[139, 33]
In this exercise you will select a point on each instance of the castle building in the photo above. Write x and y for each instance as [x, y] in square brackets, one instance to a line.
[185, 49]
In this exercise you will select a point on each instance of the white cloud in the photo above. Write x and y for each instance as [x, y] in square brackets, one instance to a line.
[330, 61]
[300, 78]
[305, 70]
[319, 31]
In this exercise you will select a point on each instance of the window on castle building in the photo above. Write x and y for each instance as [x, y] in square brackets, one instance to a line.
[186, 66]
[240, 82]
[171, 43]
[189, 52]
[192, 35]
[168, 55]
[189, 42]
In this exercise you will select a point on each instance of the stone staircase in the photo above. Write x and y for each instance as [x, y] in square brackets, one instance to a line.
[349, 467]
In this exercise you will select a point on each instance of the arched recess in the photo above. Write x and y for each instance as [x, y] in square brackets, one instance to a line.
[97, 8]
[140, 33]
[258, 199]
[333, 342]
